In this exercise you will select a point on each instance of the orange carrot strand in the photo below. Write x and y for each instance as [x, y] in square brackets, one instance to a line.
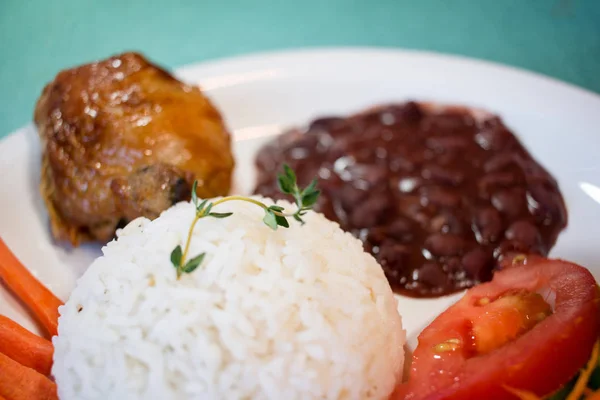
[24, 347]
[21, 383]
[593, 396]
[29, 290]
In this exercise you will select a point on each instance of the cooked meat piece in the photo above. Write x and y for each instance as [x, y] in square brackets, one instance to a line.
[151, 190]
[122, 138]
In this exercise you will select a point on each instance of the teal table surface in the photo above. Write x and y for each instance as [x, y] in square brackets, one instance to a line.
[559, 38]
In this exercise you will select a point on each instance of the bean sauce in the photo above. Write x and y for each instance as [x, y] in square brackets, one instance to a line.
[437, 194]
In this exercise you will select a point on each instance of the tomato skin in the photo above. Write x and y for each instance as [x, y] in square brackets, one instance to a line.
[540, 360]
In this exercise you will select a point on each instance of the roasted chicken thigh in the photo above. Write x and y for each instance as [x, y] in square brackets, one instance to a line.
[122, 138]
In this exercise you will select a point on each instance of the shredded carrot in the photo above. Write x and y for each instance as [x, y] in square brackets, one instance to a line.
[522, 394]
[24, 347]
[593, 396]
[21, 383]
[584, 376]
[28, 289]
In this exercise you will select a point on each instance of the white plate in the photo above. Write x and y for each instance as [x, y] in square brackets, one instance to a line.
[260, 95]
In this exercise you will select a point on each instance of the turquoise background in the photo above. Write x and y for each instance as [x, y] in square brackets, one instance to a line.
[560, 38]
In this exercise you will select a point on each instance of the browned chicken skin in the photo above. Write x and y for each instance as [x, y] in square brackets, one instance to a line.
[122, 138]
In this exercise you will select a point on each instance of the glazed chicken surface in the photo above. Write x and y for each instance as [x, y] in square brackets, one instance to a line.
[122, 138]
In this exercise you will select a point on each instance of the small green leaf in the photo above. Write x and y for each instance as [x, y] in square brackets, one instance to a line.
[200, 206]
[310, 188]
[289, 173]
[282, 221]
[194, 194]
[176, 256]
[208, 208]
[191, 265]
[220, 215]
[276, 208]
[189, 268]
[310, 199]
[298, 218]
[285, 184]
[270, 220]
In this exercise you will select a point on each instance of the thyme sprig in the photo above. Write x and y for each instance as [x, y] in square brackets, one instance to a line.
[275, 216]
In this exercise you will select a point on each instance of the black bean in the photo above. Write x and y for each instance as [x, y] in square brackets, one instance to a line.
[431, 274]
[411, 112]
[535, 172]
[325, 123]
[476, 263]
[401, 229]
[447, 160]
[496, 180]
[487, 225]
[510, 202]
[409, 205]
[452, 265]
[445, 245]
[391, 253]
[363, 155]
[494, 139]
[438, 224]
[371, 211]
[498, 162]
[398, 164]
[422, 218]
[306, 143]
[523, 232]
[442, 175]
[447, 143]
[447, 223]
[545, 203]
[511, 248]
[350, 196]
[371, 175]
[377, 235]
[267, 160]
[440, 196]
[447, 123]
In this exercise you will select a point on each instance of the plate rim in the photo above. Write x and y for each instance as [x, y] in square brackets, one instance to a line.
[378, 51]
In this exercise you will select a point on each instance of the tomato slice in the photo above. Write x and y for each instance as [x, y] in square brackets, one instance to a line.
[531, 328]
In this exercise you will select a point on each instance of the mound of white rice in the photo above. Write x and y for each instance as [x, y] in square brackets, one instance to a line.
[298, 313]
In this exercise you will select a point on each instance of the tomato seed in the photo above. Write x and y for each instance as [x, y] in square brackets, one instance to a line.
[448, 345]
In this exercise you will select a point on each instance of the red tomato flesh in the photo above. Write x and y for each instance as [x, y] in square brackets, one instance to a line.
[506, 318]
[531, 328]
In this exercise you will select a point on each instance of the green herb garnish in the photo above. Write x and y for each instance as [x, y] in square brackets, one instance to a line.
[274, 217]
